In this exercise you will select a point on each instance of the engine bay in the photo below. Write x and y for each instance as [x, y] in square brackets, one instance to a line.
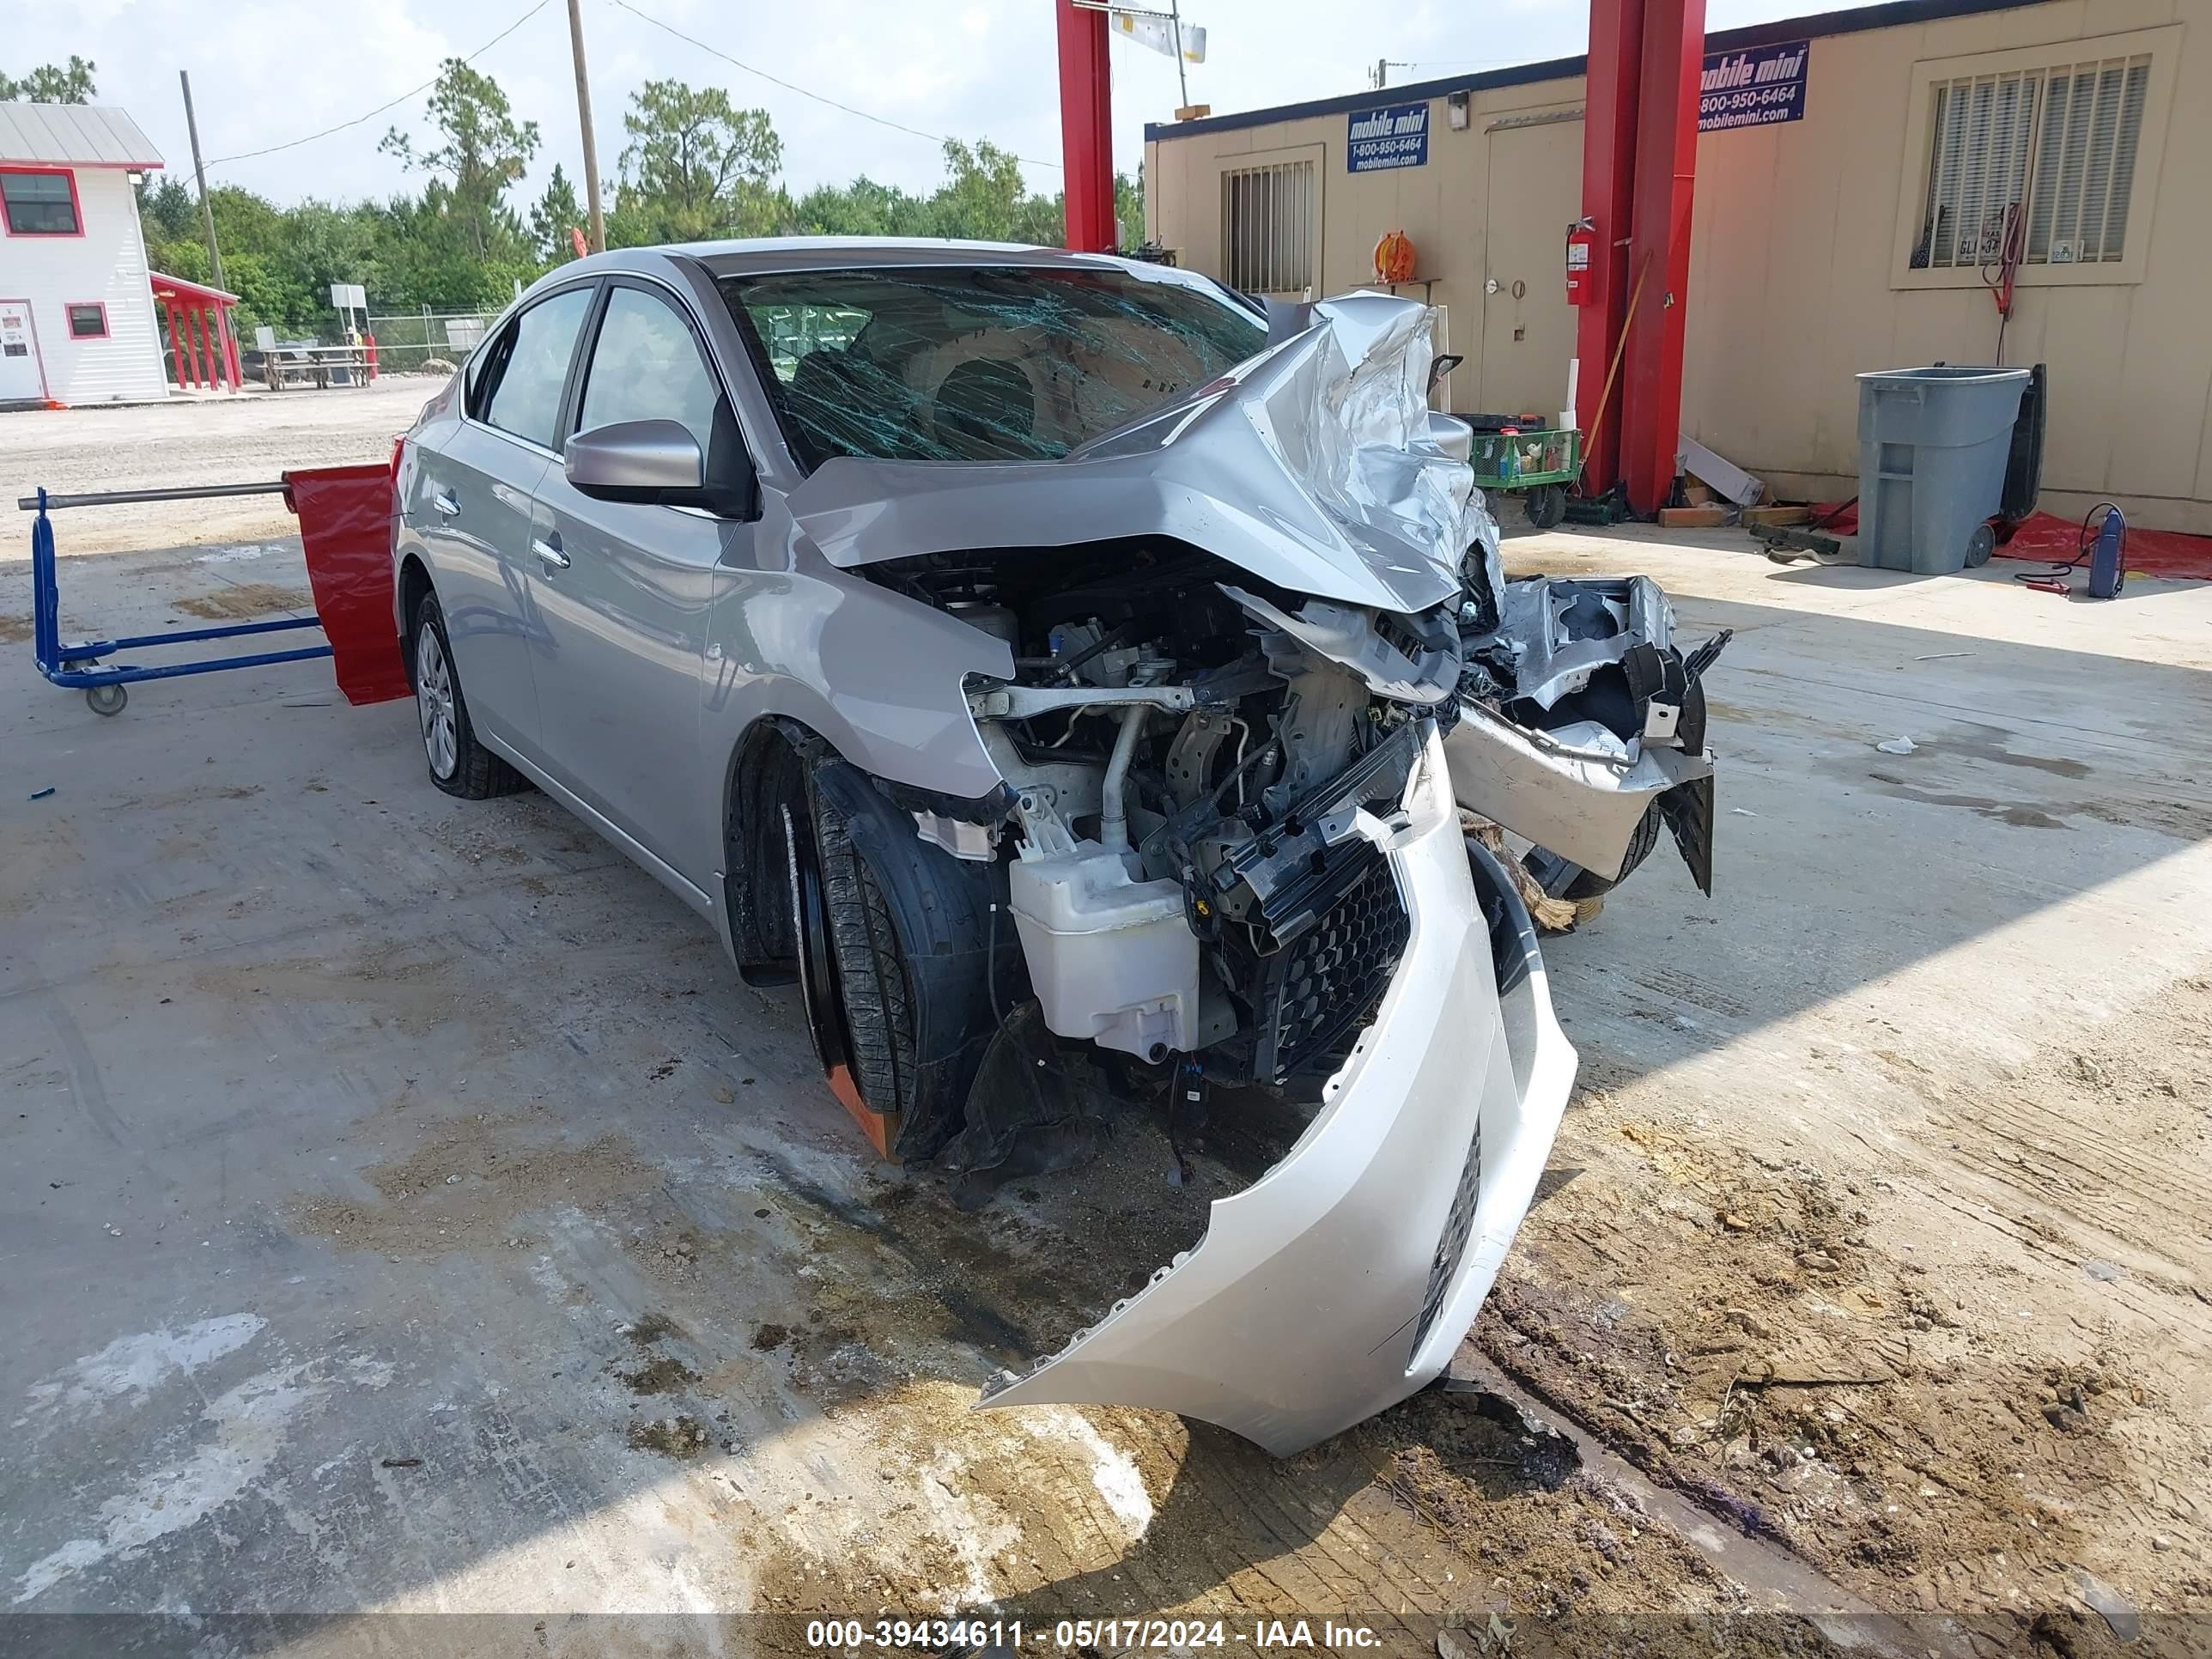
[1188, 752]
[1182, 875]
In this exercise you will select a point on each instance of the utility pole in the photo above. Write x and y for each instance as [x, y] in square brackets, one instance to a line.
[199, 172]
[1382, 73]
[584, 115]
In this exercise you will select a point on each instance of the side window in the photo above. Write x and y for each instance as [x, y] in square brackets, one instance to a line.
[647, 367]
[525, 392]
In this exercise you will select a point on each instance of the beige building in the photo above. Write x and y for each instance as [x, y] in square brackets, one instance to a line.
[1850, 230]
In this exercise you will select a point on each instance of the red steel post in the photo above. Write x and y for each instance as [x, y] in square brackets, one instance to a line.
[1616, 46]
[190, 313]
[1659, 232]
[176, 342]
[1086, 129]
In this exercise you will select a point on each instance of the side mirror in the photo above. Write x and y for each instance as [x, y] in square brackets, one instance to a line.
[652, 461]
[1442, 365]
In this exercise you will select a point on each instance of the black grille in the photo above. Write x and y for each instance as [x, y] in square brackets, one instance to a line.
[1459, 1227]
[1323, 985]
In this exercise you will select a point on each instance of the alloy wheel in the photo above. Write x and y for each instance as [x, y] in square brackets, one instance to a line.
[434, 702]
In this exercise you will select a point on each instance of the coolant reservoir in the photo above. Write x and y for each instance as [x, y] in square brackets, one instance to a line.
[1112, 959]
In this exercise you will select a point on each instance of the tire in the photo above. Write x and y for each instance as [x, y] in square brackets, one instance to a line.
[903, 935]
[458, 764]
[1645, 836]
[872, 986]
[1979, 546]
[1545, 505]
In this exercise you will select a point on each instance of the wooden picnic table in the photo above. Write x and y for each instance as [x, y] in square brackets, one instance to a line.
[291, 365]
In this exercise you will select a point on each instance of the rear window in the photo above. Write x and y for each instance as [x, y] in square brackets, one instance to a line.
[978, 363]
[521, 387]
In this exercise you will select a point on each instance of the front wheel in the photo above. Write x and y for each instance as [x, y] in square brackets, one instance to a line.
[106, 699]
[460, 764]
[1566, 880]
[895, 944]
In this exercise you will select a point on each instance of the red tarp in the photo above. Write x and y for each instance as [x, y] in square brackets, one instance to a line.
[345, 525]
[2046, 538]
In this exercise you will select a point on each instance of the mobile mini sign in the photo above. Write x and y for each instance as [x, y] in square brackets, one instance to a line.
[1755, 88]
[1387, 136]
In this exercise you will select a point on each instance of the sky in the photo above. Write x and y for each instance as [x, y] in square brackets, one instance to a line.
[269, 72]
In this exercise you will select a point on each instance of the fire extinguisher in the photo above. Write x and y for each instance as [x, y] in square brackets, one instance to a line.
[1582, 262]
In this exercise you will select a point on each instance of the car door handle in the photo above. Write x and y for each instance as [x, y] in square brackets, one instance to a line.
[548, 553]
[444, 502]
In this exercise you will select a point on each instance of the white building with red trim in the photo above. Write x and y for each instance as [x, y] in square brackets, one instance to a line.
[78, 319]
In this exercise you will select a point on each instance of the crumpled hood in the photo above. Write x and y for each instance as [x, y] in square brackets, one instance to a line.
[1317, 465]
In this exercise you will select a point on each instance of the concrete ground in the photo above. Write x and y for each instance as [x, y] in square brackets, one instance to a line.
[403, 1209]
[246, 439]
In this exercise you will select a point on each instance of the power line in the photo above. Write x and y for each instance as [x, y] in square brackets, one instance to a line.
[791, 86]
[293, 144]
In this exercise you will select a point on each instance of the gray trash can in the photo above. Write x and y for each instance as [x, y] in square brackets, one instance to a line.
[1932, 449]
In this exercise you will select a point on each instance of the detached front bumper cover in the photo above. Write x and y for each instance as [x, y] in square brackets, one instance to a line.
[1579, 791]
[1343, 1278]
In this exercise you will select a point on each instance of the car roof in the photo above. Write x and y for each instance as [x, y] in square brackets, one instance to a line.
[750, 256]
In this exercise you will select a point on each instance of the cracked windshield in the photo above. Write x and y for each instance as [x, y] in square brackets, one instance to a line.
[996, 364]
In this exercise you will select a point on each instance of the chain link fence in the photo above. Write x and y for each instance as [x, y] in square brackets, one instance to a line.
[406, 341]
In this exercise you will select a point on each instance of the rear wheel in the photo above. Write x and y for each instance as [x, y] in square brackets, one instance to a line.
[458, 764]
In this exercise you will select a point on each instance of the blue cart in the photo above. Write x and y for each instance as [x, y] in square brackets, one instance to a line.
[77, 664]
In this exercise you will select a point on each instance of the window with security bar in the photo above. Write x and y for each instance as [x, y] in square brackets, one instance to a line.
[1270, 222]
[2044, 157]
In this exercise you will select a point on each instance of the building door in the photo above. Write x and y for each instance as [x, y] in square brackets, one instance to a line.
[22, 380]
[1527, 326]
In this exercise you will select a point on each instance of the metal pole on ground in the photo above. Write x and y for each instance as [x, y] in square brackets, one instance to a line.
[199, 174]
[584, 116]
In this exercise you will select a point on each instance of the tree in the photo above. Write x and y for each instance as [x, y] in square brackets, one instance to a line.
[985, 198]
[552, 217]
[167, 211]
[863, 207]
[427, 259]
[48, 84]
[320, 244]
[485, 151]
[1129, 208]
[696, 166]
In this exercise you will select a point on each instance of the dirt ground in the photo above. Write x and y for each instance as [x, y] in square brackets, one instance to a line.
[248, 439]
[414, 1214]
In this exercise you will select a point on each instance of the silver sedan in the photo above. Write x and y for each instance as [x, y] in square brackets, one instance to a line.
[1077, 680]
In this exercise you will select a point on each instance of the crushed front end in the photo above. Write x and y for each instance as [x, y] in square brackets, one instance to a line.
[1253, 715]
[1343, 1278]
